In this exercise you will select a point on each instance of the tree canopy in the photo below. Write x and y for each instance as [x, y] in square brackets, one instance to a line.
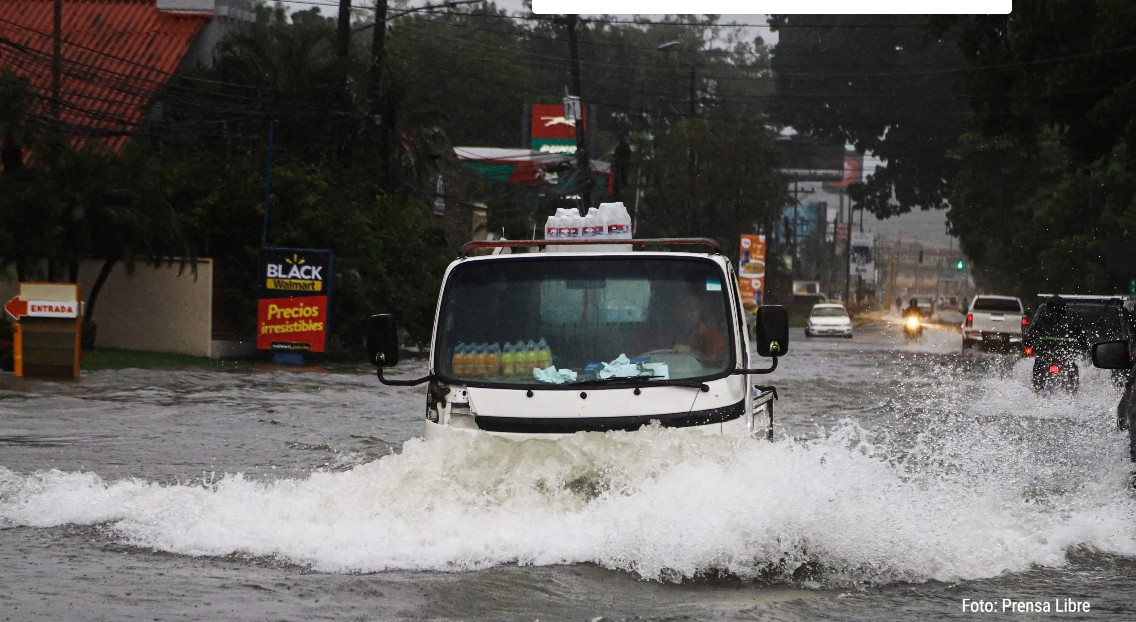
[1021, 125]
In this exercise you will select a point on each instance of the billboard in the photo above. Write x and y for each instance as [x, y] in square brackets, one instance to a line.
[751, 271]
[551, 131]
[861, 262]
[295, 289]
[808, 159]
[853, 171]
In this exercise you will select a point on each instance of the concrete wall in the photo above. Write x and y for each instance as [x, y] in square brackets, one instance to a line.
[154, 309]
[159, 309]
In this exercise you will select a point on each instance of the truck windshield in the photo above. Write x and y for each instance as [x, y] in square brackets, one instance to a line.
[560, 320]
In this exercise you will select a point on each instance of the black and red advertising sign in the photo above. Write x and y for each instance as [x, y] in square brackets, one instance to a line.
[295, 287]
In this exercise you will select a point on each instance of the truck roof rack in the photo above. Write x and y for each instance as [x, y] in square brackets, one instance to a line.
[1120, 298]
[709, 243]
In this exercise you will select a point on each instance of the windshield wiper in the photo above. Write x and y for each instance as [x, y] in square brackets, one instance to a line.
[641, 381]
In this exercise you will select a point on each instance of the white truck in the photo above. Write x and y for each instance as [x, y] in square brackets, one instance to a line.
[557, 341]
[994, 323]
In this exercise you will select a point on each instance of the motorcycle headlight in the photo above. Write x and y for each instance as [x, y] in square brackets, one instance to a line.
[912, 322]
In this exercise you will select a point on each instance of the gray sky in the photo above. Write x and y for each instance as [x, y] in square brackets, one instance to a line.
[330, 8]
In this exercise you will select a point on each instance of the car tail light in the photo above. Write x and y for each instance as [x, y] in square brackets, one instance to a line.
[1055, 369]
[1028, 351]
[969, 320]
[1025, 321]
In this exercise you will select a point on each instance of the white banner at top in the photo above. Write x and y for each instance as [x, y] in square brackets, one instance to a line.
[766, 7]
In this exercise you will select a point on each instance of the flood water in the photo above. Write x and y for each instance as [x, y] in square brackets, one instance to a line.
[905, 481]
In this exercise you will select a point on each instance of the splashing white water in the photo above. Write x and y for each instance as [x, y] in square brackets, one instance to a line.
[966, 488]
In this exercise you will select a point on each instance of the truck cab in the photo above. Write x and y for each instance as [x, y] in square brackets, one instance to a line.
[994, 323]
[560, 341]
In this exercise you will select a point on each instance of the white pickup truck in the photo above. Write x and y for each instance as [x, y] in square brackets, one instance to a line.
[994, 323]
[560, 340]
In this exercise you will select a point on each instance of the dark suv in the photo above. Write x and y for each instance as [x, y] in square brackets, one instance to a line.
[1118, 355]
[1062, 332]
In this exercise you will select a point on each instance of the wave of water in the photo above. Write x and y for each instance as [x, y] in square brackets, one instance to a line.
[960, 477]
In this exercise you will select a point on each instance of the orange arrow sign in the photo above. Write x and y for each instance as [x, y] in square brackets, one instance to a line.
[17, 307]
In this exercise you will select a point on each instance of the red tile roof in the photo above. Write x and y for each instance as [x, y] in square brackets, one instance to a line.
[116, 56]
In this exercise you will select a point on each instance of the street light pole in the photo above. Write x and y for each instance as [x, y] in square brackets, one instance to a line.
[583, 164]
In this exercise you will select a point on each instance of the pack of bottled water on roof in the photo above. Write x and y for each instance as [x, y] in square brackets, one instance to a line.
[609, 221]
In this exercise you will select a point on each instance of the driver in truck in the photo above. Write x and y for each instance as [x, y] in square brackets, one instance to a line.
[683, 326]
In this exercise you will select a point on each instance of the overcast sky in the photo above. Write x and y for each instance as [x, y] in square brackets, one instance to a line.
[330, 8]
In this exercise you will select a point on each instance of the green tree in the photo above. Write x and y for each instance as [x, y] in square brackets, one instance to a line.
[713, 178]
[1055, 81]
[887, 84]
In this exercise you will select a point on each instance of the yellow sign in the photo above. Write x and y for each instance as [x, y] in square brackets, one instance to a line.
[295, 285]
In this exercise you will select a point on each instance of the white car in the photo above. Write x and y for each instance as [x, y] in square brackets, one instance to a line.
[829, 319]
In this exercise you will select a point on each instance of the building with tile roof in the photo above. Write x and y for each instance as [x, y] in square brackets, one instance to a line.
[112, 60]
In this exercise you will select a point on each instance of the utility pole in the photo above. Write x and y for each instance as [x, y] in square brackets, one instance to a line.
[693, 93]
[343, 29]
[56, 61]
[583, 164]
[848, 257]
[379, 113]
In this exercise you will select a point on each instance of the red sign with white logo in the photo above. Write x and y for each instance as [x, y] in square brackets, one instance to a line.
[548, 121]
[292, 324]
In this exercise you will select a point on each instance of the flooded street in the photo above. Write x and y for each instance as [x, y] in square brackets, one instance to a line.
[905, 481]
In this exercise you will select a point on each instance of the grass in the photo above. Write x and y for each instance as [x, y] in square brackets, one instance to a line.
[108, 358]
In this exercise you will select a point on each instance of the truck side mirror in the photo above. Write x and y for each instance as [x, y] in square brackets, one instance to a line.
[1111, 355]
[382, 340]
[772, 323]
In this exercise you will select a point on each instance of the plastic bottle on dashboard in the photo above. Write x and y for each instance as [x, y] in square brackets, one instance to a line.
[485, 360]
[520, 362]
[531, 356]
[469, 361]
[457, 363]
[544, 354]
[473, 360]
[508, 360]
[494, 360]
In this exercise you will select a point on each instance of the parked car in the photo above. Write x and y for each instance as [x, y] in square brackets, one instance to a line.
[994, 323]
[829, 319]
[1063, 331]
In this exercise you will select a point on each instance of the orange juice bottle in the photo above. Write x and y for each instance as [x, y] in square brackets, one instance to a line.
[457, 363]
[494, 360]
[477, 361]
[544, 354]
[532, 356]
[508, 361]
